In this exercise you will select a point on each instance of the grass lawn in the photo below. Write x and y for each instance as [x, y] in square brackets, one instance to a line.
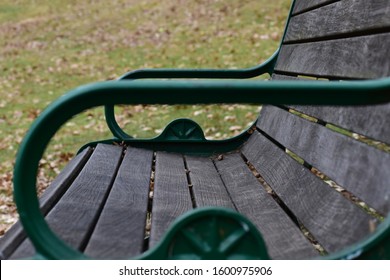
[48, 47]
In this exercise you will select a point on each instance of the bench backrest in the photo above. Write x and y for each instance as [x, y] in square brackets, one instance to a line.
[338, 40]
[347, 146]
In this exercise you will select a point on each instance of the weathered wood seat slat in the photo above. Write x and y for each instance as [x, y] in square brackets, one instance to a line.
[118, 201]
[116, 223]
[15, 236]
[75, 215]
[208, 187]
[171, 194]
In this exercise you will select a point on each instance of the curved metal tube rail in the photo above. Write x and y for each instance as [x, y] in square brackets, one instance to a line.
[165, 92]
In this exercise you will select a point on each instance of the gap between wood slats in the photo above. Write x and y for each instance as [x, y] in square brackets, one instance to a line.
[125, 211]
[208, 188]
[190, 185]
[365, 139]
[333, 220]
[16, 235]
[148, 222]
[342, 19]
[309, 236]
[374, 213]
[284, 75]
[331, 183]
[291, 77]
[361, 57]
[171, 196]
[303, 6]
[71, 217]
[283, 238]
[220, 157]
[346, 35]
[89, 233]
[359, 168]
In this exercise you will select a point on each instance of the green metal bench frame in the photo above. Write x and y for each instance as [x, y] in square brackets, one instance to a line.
[183, 136]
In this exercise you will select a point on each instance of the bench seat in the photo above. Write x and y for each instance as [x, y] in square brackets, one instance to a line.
[117, 201]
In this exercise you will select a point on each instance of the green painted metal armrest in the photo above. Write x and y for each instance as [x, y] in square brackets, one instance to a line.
[246, 73]
[162, 92]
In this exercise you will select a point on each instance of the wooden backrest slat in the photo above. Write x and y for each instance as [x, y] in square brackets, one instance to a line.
[304, 5]
[339, 19]
[337, 40]
[369, 121]
[359, 168]
[363, 57]
[312, 201]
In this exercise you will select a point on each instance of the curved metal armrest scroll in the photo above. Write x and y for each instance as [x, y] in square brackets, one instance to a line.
[246, 73]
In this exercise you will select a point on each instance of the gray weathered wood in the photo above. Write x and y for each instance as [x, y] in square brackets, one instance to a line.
[208, 187]
[171, 194]
[120, 230]
[363, 57]
[291, 78]
[339, 19]
[359, 168]
[370, 121]
[282, 237]
[303, 5]
[15, 236]
[74, 216]
[334, 221]
[11, 240]
[62, 182]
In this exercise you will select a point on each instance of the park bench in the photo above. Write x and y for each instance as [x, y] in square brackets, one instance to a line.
[310, 178]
